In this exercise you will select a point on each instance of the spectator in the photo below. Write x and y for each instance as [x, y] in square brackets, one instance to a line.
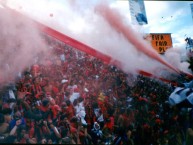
[4, 127]
[96, 134]
[17, 117]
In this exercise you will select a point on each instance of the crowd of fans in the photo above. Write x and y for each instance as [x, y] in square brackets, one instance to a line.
[73, 98]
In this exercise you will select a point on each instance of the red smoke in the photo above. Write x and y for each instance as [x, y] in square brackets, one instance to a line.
[116, 21]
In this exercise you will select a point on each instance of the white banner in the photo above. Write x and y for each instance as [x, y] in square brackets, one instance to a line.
[137, 12]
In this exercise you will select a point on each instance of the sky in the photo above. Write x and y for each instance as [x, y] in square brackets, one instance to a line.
[83, 20]
[166, 17]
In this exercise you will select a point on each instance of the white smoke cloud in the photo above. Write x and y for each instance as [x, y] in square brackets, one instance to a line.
[78, 20]
[20, 43]
[175, 57]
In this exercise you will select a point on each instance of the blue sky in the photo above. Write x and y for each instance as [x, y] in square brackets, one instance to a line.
[177, 19]
[166, 17]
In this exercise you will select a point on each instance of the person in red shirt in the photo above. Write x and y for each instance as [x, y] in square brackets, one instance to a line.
[35, 88]
[109, 124]
[45, 109]
[70, 109]
[35, 70]
[55, 111]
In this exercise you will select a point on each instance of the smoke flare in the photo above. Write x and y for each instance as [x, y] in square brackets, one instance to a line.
[116, 21]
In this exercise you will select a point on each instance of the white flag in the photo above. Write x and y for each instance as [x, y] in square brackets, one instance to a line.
[137, 12]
